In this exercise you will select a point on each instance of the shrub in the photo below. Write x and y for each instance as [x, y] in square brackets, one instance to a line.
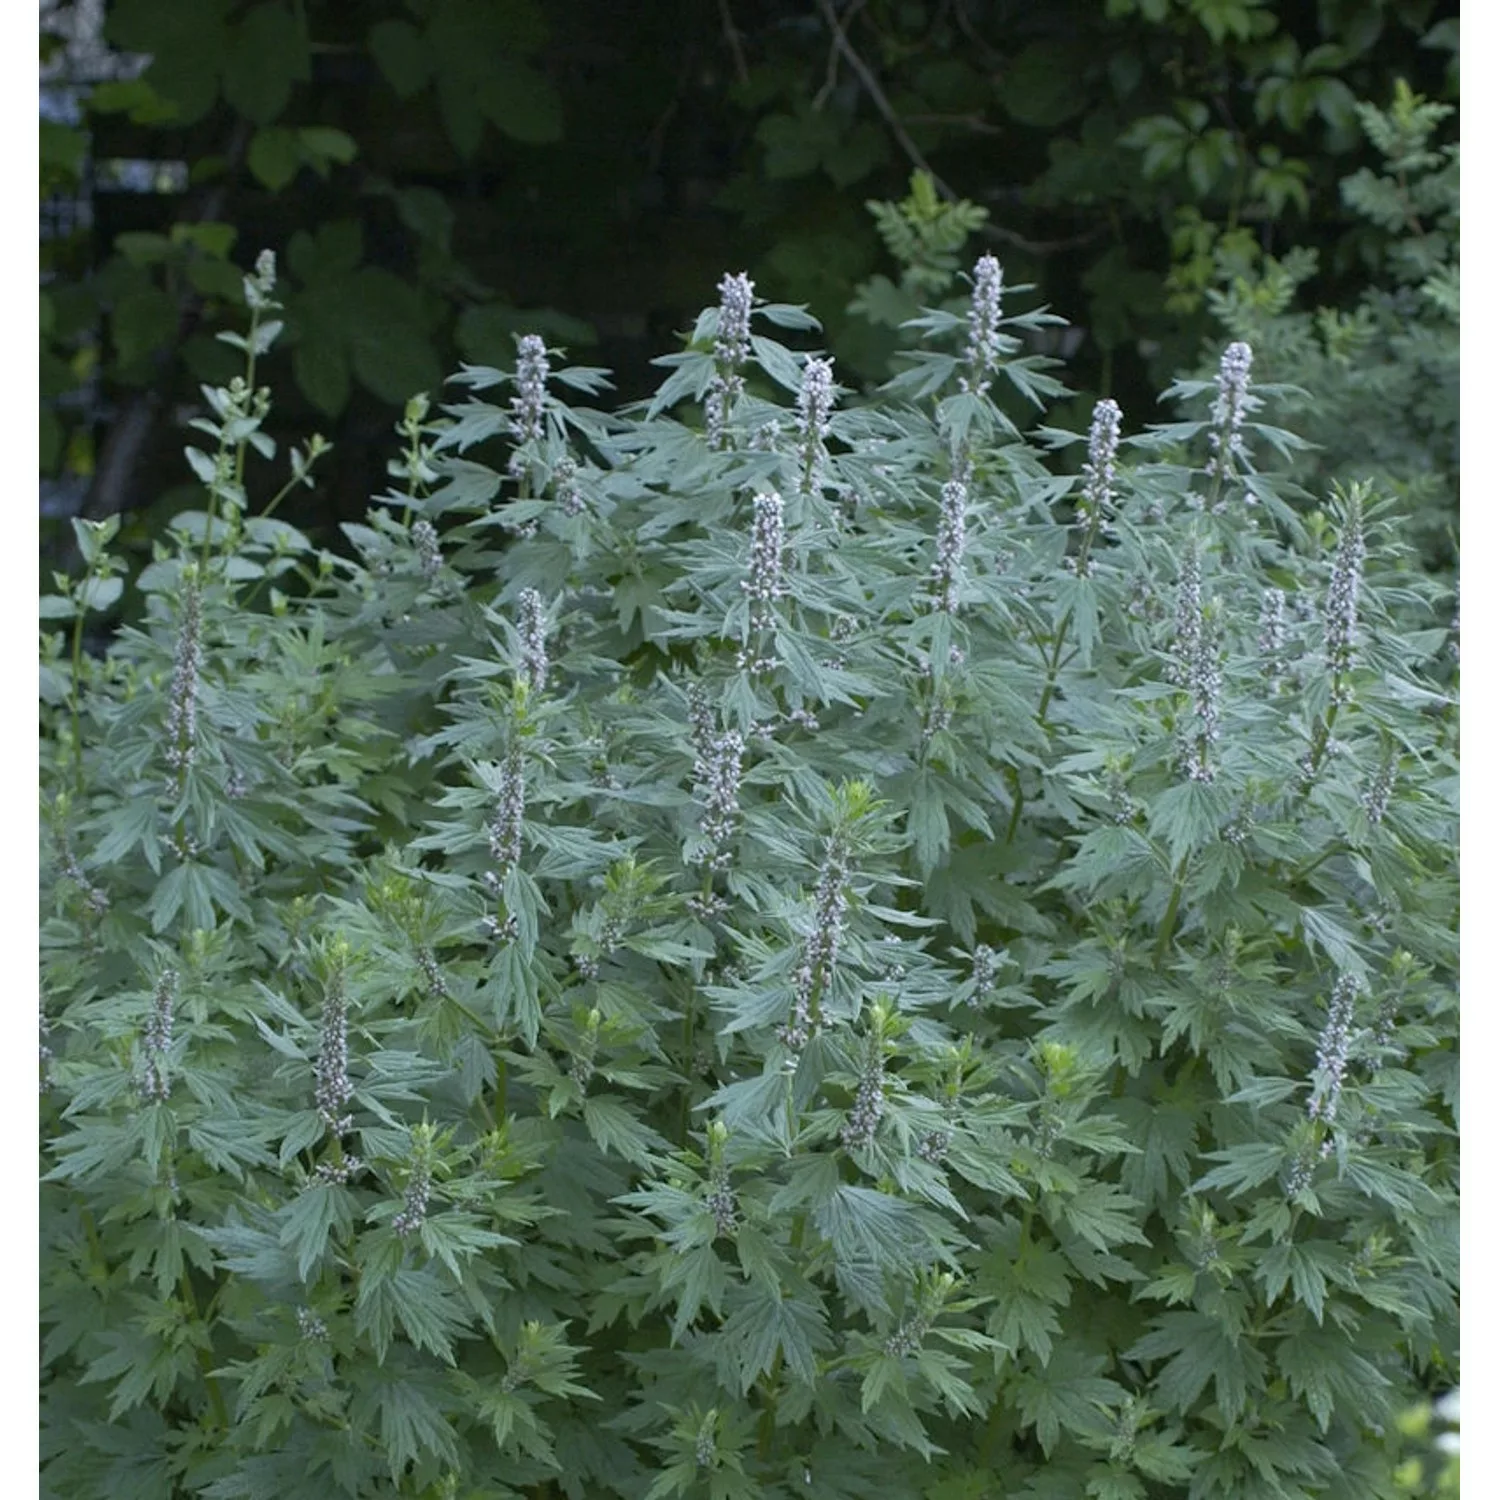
[802, 952]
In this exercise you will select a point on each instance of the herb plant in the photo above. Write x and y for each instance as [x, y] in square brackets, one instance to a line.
[754, 945]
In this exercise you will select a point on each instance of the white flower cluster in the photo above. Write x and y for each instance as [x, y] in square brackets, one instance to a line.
[767, 542]
[823, 944]
[157, 1041]
[1231, 405]
[814, 407]
[1099, 471]
[952, 539]
[529, 402]
[731, 350]
[510, 810]
[1333, 1050]
[1341, 605]
[187, 666]
[331, 1069]
[717, 774]
[983, 350]
[1195, 668]
[533, 633]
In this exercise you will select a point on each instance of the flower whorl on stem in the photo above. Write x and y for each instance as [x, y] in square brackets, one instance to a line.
[331, 1069]
[718, 774]
[533, 633]
[982, 353]
[510, 811]
[1230, 407]
[1195, 667]
[952, 539]
[1341, 605]
[821, 952]
[731, 350]
[814, 407]
[156, 1085]
[413, 1212]
[767, 542]
[1377, 797]
[529, 402]
[187, 667]
[1099, 471]
[1333, 1050]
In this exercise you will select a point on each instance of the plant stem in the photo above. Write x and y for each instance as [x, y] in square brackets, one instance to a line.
[1049, 687]
[77, 695]
[1169, 917]
[205, 1357]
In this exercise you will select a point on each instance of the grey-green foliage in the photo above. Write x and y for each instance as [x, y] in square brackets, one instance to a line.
[1381, 378]
[818, 952]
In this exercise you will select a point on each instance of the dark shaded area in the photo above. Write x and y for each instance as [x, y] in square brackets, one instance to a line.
[589, 172]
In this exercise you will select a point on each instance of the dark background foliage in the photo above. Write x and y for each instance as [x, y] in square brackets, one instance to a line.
[438, 174]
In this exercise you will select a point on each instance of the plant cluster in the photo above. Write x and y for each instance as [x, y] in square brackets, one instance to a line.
[754, 946]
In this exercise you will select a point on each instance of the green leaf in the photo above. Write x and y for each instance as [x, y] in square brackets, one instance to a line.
[323, 147]
[615, 1128]
[769, 1322]
[322, 372]
[402, 54]
[267, 54]
[1040, 87]
[274, 157]
[310, 1218]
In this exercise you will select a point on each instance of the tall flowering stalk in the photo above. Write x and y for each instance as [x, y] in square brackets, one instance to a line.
[1099, 470]
[333, 1088]
[529, 403]
[863, 1117]
[824, 942]
[717, 774]
[1377, 797]
[814, 407]
[413, 1213]
[1333, 1051]
[533, 633]
[510, 811]
[720, 1199]
[1270, 639]
[763, 581]
[187, 668]
[1341, 604]
[1195, 668]
[156, 1043]
[1231, 405]
[982, 353]
[952, 539]
[731, 350]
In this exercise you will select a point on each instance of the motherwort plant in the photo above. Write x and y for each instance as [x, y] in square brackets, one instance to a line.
[762, 944]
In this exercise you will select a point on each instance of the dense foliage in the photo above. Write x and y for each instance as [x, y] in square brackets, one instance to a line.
[1385, 372]
[434, 167]
[753, 945]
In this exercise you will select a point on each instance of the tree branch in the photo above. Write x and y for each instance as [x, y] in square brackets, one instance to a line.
[732, 36]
